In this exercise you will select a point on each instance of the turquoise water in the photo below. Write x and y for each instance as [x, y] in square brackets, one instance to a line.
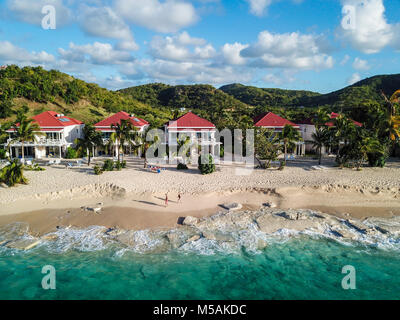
[301, 268]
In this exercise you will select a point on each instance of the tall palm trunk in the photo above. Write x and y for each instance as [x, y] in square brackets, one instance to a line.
[285, 144]
[23, 152]
[320, 155]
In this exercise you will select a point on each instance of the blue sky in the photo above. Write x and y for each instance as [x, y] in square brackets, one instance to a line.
[293, 44]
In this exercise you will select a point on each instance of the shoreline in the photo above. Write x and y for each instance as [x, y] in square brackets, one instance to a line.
[134, 198]
[147, 211]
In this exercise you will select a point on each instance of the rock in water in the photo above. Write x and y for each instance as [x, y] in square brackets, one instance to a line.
[190, 221]
[232, 206]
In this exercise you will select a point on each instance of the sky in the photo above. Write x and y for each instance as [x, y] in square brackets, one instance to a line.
[317, 45]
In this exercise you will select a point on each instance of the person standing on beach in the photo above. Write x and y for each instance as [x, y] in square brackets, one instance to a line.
[179, 198]
[166, 199]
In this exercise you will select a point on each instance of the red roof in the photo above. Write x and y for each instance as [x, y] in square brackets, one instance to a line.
[272, 120]
[122, 115]
[335, 115]
[190, 121]
[53, 121]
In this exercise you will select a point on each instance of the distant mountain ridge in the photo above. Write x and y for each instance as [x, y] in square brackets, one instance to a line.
[369, 89]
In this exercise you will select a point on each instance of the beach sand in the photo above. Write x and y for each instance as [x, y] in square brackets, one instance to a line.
[134, 198]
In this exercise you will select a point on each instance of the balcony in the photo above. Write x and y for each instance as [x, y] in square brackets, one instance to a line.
[40, 142]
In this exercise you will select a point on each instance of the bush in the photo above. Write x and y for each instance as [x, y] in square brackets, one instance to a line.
[3, 153]
[97, 170]
[206, 164]
[118, 166]
[182, 166]
[282, 166]
[71, 153]
[108, 165]
[13, 174]
[377, 160]
[34, 167]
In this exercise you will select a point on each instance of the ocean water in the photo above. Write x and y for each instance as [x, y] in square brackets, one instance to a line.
[302, 267]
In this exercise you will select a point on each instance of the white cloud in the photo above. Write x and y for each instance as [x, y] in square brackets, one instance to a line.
[289, 50]
[231, 53]
[355, 77]
[104, 22]
[346, 59]
[360, 64]
[96, 53]
[180, 47]
[368, 30]
[162, 16]
[258, 7]
[10, 53]
[30, 11]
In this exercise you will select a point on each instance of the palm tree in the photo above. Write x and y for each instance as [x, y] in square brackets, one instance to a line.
[123, 134]
[92, 138]
[183, 148]
[322, 117]
[25, 130]
[13, 174]
[393, 121]
[342, 131]
[289, 136]
[320, 138]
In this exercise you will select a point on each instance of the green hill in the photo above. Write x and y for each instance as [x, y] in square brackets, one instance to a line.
[267, 97]
[213, 104]
[365, 91]
[43, 90]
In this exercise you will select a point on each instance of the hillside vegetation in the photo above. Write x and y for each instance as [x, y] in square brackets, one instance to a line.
[365, 91]
[205, 100]
[43, 90]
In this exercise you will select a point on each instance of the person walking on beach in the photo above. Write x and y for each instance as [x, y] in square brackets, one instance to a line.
[166, 199]
[179, 198]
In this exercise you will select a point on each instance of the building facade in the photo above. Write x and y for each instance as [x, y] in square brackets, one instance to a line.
[105, 127]
[58, 132]
[200, 133]
[275, 123]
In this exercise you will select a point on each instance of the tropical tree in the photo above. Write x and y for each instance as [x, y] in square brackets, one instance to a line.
[320, 139]
[25, 130]
[91, 138]
[321, 118]
[289, 136]
[267, 146]
[124, 134]
[341, 133]
[13, 174]
[393, 120]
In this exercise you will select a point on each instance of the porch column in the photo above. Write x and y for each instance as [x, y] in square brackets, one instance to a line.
[60, 151]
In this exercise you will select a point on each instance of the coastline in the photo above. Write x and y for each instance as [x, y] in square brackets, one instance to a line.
[133, 199]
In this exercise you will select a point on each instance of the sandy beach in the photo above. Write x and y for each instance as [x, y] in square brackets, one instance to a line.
[134, 198]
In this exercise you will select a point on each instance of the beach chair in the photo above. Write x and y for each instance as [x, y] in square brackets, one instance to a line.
[69, 165]
[57, 161]
[51, 162]
[28, 162]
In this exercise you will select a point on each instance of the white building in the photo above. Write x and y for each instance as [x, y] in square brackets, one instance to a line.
[201, 134]
[58, 133]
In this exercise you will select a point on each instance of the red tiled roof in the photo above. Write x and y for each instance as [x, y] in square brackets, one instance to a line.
[270, 119]
[192, 121]
[53, 121]
[335, 115]
[122, 115]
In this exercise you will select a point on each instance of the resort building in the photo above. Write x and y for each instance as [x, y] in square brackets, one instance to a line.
[276, 123]
[58, 133]
[200, 132]
[105, 127]
[307, 129]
